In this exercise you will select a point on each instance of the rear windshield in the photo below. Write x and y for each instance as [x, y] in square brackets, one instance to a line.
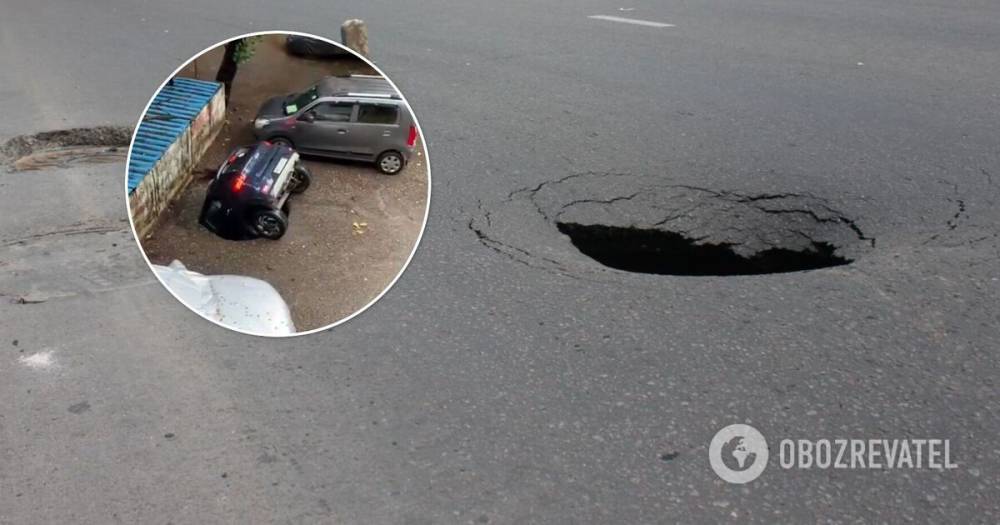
[235, 161]
[301, 100]
[259, 165]
[246, 160]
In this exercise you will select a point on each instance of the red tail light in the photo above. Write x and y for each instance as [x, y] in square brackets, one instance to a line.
[239, 182]
[412, 139]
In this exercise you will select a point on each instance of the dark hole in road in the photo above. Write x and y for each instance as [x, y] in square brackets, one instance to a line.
[669, 253]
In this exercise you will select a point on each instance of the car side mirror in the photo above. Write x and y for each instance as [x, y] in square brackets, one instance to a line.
[308, 117]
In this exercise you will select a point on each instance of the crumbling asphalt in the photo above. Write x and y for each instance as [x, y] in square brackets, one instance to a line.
[63, 148]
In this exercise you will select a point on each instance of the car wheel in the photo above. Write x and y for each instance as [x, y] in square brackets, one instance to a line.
[269, 224]
[281, 141]
[301, 179]
[389, 162]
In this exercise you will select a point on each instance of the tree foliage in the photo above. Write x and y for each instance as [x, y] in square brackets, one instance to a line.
[245, 48]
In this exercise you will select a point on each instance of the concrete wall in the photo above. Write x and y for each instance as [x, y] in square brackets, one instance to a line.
[173, 172]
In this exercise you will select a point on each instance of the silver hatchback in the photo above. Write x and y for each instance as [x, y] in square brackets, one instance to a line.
[359, 117]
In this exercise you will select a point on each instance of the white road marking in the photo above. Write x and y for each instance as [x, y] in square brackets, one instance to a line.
[630, 21]
[39, 360]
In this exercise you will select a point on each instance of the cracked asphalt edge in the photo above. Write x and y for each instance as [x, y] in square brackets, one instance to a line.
[483, 223]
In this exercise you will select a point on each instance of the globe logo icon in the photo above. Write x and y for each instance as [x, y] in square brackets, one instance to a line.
[738, 453]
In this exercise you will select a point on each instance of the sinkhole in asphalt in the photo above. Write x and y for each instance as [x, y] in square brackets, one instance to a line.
[669, 253]
[588, 223]
[61, 148]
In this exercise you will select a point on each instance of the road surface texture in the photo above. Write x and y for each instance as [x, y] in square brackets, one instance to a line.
[350, 234]
[507, 378]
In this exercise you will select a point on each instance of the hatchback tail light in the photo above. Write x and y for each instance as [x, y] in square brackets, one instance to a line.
[412, 139]
[239, 182]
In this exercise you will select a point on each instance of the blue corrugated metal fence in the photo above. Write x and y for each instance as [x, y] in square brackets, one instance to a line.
[171, 112]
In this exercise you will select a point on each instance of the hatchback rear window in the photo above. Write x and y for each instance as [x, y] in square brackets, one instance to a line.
[378, 114]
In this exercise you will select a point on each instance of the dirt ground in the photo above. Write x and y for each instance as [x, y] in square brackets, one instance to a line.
[349, 234]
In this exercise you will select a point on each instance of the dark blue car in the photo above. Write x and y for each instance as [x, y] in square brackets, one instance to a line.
[248, 198]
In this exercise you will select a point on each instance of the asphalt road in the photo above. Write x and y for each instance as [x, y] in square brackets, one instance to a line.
[505, 379]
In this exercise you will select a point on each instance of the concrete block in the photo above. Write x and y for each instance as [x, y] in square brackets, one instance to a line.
[354, 34]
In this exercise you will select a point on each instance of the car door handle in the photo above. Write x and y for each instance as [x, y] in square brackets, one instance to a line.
[342, 131]
[387, 133]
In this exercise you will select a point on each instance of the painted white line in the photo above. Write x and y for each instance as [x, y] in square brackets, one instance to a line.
[630, 21]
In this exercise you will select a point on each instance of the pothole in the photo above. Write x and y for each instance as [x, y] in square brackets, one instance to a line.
[642, 224]
[62, 148]
[668, 253]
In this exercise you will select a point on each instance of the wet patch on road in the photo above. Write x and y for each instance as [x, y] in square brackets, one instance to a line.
[34, 265]
[641, 224]
[63, 148]
[79, 408]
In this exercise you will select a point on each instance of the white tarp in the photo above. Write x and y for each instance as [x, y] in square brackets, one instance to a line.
[243, 303]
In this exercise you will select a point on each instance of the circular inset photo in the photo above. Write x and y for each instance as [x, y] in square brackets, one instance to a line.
[278, 183]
